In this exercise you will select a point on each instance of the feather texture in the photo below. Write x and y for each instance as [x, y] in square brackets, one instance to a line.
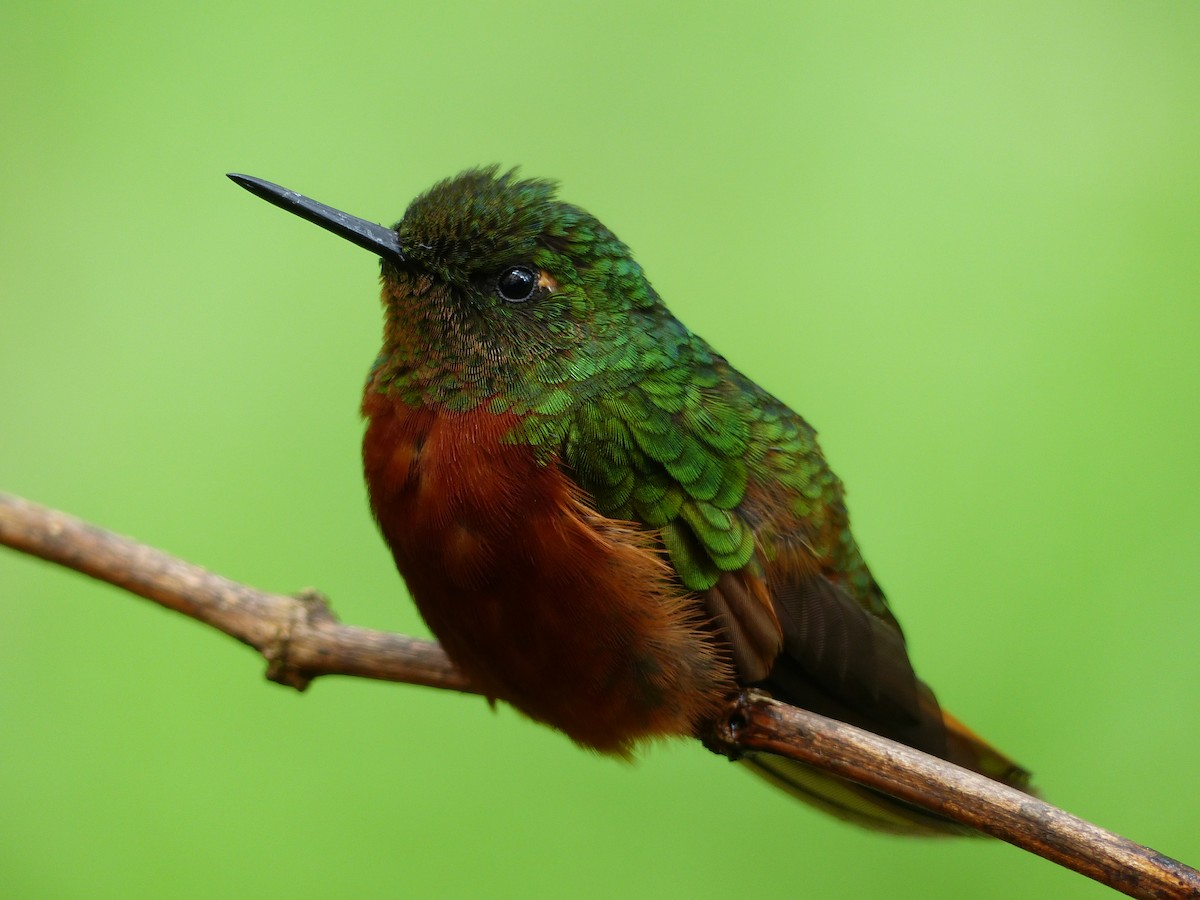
[603, 521]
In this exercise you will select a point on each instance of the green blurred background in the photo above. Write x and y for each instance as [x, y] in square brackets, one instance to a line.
[962, 239]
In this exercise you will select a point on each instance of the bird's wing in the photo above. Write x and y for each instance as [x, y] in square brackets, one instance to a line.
[753, 522]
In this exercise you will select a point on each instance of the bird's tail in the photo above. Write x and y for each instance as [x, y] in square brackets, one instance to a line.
[875, 810]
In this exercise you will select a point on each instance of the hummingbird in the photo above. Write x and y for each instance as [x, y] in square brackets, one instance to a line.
[603, 522]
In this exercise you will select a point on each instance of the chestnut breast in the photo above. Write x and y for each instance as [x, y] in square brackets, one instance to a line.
[572, 617]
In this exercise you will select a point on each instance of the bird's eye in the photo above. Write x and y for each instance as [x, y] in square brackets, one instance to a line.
[517, 284]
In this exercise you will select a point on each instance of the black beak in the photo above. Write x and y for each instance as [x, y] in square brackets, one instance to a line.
[379, 240]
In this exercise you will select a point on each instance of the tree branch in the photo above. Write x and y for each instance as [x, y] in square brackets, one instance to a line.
[300, 639]
[758, 722]
[298, 636]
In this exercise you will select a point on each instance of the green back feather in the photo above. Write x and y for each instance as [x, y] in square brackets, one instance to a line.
[652, 422]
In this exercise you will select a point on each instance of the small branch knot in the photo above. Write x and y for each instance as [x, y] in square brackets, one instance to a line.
[310, 613]
[317, 610]
[723, 735]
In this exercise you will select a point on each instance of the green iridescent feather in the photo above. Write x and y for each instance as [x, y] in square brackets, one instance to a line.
[653, 423]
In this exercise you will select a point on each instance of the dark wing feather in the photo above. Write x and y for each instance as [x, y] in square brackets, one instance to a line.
[812, 645]
[840, 658]
[754, 523]
[741, 608]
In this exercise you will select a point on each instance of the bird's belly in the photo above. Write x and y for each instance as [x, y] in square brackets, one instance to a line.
[573, 618]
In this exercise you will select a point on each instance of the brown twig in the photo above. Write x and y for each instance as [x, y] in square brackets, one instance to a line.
[301, 639]
[298, 636]
[757, 722]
